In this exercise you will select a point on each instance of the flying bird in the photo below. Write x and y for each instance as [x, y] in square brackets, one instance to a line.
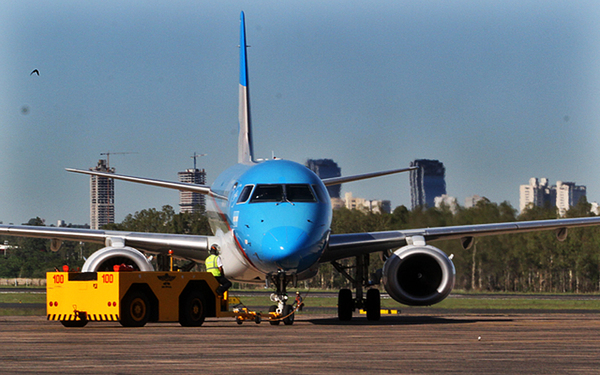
[35, 71]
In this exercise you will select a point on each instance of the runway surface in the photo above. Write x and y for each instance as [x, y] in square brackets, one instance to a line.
[315, 344]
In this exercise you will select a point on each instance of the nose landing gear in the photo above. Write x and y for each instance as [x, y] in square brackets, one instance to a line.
[281, 311]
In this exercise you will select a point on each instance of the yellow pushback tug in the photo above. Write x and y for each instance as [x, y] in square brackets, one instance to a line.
[134, 298]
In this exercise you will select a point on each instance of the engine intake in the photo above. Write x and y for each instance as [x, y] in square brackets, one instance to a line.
[105, 258]
[418, 275]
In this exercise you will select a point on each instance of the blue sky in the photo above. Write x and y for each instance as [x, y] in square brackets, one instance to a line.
[499, 91]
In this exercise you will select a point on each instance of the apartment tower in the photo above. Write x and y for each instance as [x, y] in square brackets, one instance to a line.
[189, 201]
[102, 194]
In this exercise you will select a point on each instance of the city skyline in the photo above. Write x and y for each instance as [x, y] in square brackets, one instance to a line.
[562, 196]
[200, 176]
[498, 91]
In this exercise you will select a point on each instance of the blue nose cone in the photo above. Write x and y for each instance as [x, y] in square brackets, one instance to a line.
[286, 246]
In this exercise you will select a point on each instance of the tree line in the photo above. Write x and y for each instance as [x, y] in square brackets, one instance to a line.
[528, 262]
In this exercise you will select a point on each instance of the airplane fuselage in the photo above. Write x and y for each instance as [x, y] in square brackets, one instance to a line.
[276, 218]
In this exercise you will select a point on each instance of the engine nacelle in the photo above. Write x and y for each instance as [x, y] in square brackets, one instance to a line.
[418, 275]
[105, 258]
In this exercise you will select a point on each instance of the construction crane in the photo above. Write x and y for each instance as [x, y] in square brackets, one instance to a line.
[113, 153]
[196, 156]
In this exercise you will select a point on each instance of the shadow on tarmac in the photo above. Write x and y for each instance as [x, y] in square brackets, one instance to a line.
[402, 320]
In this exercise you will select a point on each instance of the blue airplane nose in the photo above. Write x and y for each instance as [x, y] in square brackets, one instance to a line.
[285, 246]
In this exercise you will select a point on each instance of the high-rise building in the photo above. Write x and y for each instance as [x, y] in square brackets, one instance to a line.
[189, 201]
[376, 206]
[102, 195]
[427, 182]
[473, 199]
[538, 193]
[448, 201]
[567, 195]
[563, 195]
[326, 168]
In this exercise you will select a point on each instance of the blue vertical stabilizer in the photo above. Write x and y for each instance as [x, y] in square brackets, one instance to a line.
[245, 148]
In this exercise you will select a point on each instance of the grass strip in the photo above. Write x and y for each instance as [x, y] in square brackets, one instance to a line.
[22, 297]
[465, 302]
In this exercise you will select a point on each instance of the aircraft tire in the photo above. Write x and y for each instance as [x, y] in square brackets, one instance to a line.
[345, 305]
[273, 308]
[287, 310]
[135, 310]
[192, 310]
[373, 305]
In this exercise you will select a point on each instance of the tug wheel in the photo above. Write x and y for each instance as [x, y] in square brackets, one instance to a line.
[192, 310]
[134, 310]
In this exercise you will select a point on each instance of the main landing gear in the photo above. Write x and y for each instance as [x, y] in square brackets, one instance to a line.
[346, 304]
[281, 312]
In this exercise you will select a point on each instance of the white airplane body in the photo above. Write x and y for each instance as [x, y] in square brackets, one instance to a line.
[272, 222]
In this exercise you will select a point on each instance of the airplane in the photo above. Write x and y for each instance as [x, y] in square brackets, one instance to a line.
[272, 222]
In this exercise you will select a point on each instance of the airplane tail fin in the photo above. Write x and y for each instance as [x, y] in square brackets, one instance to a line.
[245, 147]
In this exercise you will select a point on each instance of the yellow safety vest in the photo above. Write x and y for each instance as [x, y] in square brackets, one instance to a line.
[211, 265]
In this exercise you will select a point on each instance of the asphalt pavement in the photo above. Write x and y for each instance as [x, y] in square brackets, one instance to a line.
[315, 344]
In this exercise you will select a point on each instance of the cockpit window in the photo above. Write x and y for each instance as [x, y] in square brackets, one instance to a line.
[283, 193]
[322, 194]
[267, 193]
[245, 194]
[299, 193]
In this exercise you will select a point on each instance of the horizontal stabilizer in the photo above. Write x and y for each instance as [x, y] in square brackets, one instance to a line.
[341, 180]
[182, 186]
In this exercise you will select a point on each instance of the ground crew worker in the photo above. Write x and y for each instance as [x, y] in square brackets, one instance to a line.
[214, 265]
[299, 302]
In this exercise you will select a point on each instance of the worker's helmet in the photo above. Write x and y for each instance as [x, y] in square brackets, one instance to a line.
[214, 249]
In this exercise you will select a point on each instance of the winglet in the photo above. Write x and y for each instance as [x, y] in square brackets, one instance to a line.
[245, 148]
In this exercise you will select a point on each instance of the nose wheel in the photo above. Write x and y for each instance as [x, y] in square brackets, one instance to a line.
[281, 312]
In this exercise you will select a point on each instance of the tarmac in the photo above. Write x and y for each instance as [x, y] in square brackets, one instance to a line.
[315, 344]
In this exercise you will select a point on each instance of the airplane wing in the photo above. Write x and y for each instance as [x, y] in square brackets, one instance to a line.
[348, 245]
[183, 246]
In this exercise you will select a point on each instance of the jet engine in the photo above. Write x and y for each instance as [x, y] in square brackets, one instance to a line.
[105, 258]
[418, 275]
